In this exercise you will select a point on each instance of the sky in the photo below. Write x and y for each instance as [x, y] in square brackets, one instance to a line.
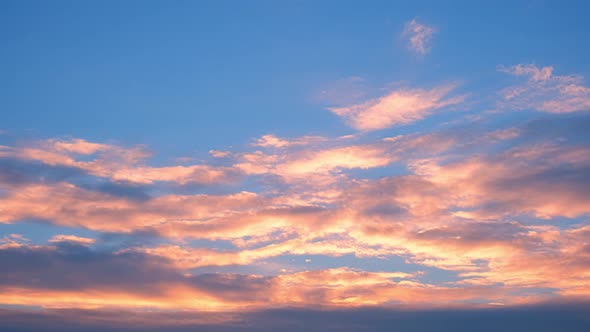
[263, 165]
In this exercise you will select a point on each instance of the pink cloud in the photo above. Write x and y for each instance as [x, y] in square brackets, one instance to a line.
[116, 163]
[72, 239]
[397, 108]
[450, 208]
[544, 91]
[419, 35]
[272, 141]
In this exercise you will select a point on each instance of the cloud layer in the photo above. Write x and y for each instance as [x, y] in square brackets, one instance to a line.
[468, 214]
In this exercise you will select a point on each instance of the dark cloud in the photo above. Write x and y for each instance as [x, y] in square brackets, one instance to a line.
[233, 286]
[571, 317]
[476, 233]
[139, 238]
[70, 266]
[569, 179]
[119, 189]
[574, 127]
[16, 172]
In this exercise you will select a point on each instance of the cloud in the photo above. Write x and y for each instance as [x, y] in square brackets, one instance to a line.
[349, 157]
[451, 212]
[76, 276]
[68, 205]
[219, 154]
[15, 171]
[543, 318]
[77, 146]
[419, 36]
[544, 180]
[272, 141]
[535, 74]
[72, 239]
[544, 91]
[397, 108]
[480, 203]
[114, 162]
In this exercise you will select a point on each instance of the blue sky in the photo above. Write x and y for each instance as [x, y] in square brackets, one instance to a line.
[188, 76]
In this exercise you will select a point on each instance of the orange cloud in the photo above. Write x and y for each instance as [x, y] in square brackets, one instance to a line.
[487, 218]
[116, 163]
[147, 282]
[66, 204]
[519, 180]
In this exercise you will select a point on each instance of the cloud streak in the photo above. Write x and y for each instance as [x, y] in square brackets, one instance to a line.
[398, 107]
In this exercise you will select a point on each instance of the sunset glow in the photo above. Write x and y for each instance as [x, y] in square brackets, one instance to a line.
[211, 165]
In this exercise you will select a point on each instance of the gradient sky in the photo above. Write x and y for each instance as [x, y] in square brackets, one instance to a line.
[277, 162]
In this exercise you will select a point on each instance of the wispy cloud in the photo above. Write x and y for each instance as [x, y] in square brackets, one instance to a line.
[72, 239]
[398, 107]
[419, 36]
[272, 141]
[544, 91]
[118, 163]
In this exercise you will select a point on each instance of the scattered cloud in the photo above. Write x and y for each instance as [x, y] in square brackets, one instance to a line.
[543, 91]
[482, 203]
[114, 162]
